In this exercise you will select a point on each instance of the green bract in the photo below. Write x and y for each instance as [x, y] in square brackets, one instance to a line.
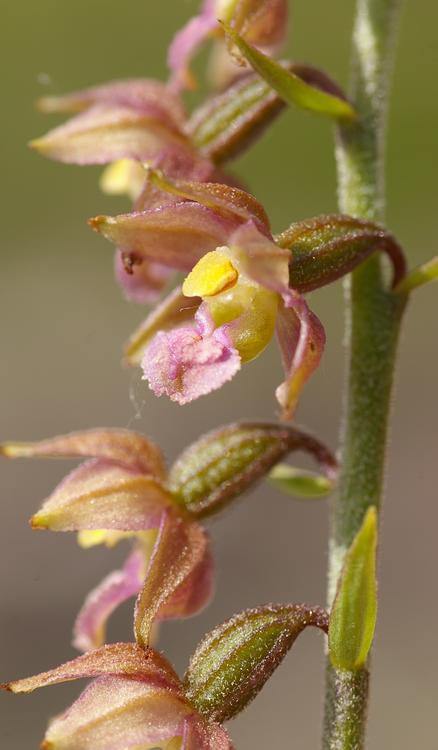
[353, 615]
[291, 87]
[299, 483]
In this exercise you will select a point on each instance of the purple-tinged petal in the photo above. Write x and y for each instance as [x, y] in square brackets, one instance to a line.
[226, 200]
[175, 235]
[117, 712]
[301, 338]
[143, 95]
[101, 495]
[174, 310]
[187, 41]
[199, 734]
[120, 446]
[90, 626]
[179, 562]
[141, 282]
[260, 258]
[104, 134]
[186, 363]
[262, 22]
[122, 659]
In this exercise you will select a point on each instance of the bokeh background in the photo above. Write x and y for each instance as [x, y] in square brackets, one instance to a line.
[62, 325]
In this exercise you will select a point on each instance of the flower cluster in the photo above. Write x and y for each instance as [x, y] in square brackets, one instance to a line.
[241, 285]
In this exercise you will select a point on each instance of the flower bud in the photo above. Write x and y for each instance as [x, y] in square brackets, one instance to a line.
[233, 662]
[226, 462]
[353, 615]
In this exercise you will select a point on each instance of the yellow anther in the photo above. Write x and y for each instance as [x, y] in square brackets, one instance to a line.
[213, 274]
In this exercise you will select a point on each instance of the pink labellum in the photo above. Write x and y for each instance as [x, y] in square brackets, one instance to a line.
[179, 575]
[174, 310]
[102, 495]
[116, 445]
[175, 235]
[186, 363]
[116, 588]
[301, 338]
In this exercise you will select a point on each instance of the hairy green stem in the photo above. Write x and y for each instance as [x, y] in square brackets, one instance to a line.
[373, 321]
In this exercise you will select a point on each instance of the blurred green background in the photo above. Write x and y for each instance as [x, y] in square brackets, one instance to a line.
[63, 324]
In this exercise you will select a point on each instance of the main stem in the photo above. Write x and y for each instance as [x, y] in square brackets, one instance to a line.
[373, 320]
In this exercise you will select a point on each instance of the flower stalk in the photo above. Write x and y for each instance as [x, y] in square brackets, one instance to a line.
[373, 317]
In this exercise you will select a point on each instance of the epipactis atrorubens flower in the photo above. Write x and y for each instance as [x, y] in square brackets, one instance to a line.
[124, 491]
[236, 296]
[262, 22]
[136, 701]
[126, 124]
[120, 492]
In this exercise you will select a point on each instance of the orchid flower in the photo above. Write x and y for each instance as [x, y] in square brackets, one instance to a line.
[262, 22]
[135, 701]
[124, 491]
[119, 493]
[239, 286]
[126, 124]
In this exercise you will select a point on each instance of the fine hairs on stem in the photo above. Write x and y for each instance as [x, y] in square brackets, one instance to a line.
[373, 317]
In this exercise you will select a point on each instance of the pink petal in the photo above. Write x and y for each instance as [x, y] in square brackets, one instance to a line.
[143, 282]
[114, 713]
[101, 495]
[122, 659]
[141, 94]
[187, 41]
[175, 235]
[179, 562]
[116, 588]
[301, 338]
[226, 200]
[104, 133]
[120, 446]
[186, 363]
[262, 259]
[202, 735]
[263, 22]
[175, 309]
